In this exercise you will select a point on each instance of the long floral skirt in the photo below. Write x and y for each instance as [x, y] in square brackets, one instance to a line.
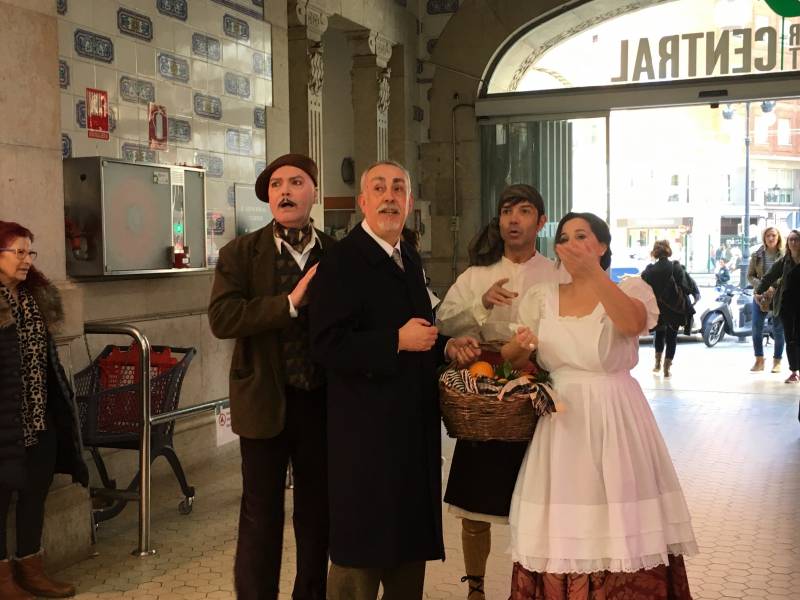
[665, 582]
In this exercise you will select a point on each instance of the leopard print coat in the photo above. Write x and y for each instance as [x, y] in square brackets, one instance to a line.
[60, 398]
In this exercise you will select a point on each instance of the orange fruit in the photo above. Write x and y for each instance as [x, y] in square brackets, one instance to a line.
[481, 369]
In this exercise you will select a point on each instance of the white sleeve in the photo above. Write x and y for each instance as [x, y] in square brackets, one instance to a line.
[638, 288]
[531, 307]
[462, 311]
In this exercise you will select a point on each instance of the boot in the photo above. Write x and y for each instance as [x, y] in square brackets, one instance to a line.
[776, 365]
[476, 540]
[759, 364]
[9, 590]
[667, 365]
[657, 368]
[31, 577]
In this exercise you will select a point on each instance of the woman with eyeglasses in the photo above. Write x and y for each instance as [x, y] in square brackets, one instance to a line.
[784, 277]
[38, 419]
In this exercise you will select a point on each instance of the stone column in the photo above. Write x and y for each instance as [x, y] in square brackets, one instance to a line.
[307, 23]
[371, 95]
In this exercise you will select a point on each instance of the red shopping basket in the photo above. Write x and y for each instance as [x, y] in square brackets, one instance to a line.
[121, 367]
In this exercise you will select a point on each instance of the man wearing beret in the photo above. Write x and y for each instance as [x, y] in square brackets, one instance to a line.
[277, 397]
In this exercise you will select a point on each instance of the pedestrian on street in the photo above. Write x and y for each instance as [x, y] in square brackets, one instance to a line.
[761, 262]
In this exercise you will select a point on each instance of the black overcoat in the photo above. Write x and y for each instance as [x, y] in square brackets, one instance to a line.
[60, 398]
[384, 436]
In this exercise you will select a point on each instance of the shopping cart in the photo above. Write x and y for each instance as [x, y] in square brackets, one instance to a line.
[110, 409]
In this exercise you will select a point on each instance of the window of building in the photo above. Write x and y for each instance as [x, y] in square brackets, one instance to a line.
[784, 132]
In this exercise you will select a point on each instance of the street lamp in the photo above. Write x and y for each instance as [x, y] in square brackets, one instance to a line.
[727, 113]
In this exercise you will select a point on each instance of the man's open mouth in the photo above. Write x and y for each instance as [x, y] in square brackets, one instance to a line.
[286, 203]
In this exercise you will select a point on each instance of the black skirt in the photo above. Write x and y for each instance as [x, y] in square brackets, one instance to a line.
[483, 475]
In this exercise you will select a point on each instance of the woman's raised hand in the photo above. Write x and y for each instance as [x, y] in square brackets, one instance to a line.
[526, 339]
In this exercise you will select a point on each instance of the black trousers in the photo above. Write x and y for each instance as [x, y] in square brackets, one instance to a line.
[258, 552]
[791, 332]
[40, 462]
[668, 335]
[404, 582]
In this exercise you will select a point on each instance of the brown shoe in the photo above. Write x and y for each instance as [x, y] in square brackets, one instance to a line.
[759, 365]
[31, 577]
[657, 368]
[776, 365]
[9, 590]
[667, 367]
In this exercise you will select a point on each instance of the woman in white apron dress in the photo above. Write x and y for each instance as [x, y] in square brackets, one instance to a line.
[597, 512]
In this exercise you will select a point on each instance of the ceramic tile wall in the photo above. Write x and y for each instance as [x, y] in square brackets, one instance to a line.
[208, 62]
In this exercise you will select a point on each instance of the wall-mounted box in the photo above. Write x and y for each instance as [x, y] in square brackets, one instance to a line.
[127, 218]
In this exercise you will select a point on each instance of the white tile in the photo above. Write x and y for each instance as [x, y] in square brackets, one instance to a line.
[146, 7]
[200, 134]
[216, 137]
[213, 20]
[170, 155]
[67, 103]
[259, 87]
[66, 39]
[82, 76]
[80, 13]
[163, 37]
[142, 126]
[230, 59]
[259, 144]
[183, 99]
[165, 94]
[145, 60]
[106, 79]
[268, 95]
[128, 122]
[125, 54]
[182, 37]
[199, 74]
[186, 156]
[216, 79]
[257, 36]
[104, 15]
[267, 38]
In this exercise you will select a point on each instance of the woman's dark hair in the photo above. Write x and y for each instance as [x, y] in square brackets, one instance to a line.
[599, 229]
[661, 249]
[10, 231]
[411, 237]
[487, 247]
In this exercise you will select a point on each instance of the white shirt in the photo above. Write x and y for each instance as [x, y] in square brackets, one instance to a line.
[462, 311]
[387, 247]
[301, 258]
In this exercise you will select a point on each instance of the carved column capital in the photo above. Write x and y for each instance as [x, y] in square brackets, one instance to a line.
[307, 16]
[365, 42]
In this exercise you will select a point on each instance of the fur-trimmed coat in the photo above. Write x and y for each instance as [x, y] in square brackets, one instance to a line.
[60, 398]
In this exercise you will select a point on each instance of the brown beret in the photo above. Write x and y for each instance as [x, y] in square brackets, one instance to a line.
[301, 161]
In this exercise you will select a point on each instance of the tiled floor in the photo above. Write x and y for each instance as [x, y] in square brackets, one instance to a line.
[734, 437]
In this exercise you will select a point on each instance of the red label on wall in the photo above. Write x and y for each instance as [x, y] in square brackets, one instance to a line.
[158, 126]
[97, 113]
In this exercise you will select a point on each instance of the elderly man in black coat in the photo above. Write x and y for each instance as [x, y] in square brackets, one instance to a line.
[372, 330]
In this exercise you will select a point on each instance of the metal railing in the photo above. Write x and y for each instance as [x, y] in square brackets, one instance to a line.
[148, 421]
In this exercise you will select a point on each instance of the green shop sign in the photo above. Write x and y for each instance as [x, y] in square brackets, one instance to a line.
[785, 8]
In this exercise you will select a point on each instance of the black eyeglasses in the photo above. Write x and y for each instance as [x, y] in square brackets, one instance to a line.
[22, 253]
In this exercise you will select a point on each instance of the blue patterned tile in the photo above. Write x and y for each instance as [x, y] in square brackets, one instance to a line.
[66, 146]
[442, 7]
[262, 64]
[61, 7]
[244, 7]
[135, 24]
[239, 141]
[63, 74]
[178, 9]
[180, 130]
[206, 46]
[235, 27]
[138, 153]
[208, 106]
[173, 67]
[213, 165]
[136, 90]
[94, 46]
[237, 85]
[259, 117]
[80, 116]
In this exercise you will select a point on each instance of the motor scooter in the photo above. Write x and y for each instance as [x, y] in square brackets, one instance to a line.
[730, 312]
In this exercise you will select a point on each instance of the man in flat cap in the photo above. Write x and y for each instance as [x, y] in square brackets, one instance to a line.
[277, 395]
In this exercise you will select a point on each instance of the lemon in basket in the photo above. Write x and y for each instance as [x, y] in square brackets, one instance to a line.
[481, 369]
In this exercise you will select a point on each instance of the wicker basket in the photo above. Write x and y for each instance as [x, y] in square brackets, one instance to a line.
[481, 418]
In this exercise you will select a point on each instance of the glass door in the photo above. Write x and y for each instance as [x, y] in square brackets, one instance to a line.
[565, 159]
